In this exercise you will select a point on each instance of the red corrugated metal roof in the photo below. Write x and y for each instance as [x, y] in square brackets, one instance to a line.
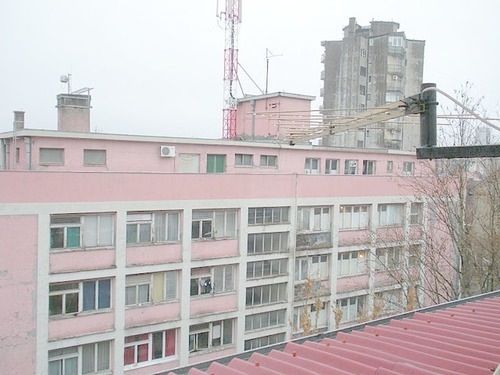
[463, 339]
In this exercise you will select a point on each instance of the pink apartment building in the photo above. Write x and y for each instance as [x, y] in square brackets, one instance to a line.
[129, 254]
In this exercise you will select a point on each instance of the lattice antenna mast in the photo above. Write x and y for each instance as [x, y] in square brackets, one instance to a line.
[232, 19]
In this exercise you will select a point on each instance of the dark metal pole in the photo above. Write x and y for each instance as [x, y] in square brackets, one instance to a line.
[428, 129]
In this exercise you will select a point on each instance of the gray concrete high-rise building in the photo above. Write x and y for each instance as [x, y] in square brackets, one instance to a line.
[372, 65]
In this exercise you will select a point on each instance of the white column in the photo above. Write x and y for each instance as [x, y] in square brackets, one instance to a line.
[372, 257]
[119, 289]
[334, 266]
[42, 300]
[242, 247]
[183, 340]
[292, 239]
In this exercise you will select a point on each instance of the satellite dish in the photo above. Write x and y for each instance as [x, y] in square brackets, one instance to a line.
[64, 79]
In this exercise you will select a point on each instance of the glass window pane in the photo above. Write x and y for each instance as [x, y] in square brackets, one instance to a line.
[130, 295]
[145, 232]
[157, 351]
[105, 230]
[103, 356]
[219, 224]
[56, 238]
[71, 303]
[88, 358]
[231, 224]
[55, 305]
[132, 233]
[195, 229]
[143, 293]
[227, 337]
[55, 367]
[71, 366]
[90, 231]
[129, 355]
[206, 229]
[160, 227]
[89, 295]
[203, 340]
[171, 289]
[173, 227]
[142, 353]
[104, 297]
[73, 237]
[194, 287]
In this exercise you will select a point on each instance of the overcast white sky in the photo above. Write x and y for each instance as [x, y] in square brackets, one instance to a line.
[156, 65]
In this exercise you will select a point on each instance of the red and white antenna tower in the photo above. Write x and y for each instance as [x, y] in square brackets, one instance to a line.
[232, 18]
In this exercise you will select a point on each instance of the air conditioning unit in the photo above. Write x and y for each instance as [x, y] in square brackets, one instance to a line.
[167, 151]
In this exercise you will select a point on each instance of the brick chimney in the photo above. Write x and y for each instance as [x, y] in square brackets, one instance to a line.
[73, 113]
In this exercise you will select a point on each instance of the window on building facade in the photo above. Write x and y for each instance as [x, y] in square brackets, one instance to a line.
[388, 258]
[94, 157]
[390, 214]
[311, 165]
[416, 213]
[259, 243]
[149, 347]
[205, 280]
[188, 163]
[390, 166]
[354, 217]
[152, 227]
[313, 219]
[94, 358]
[260, 342]
[408, 168]
[266, 319]
[392, 96]
[75, 297]
[216, 163]
[332, 166]
[362, 90]
[353, 308]
[396, 41]
[314, 316]
[268, 161]
[390, 300]
[268, 215]
[51, 156]
[81, 231]
[352, 263]
[267, 268]
[362, 71]
[414, 253]
[363, 52]
[210, 335]
[213, 224]
[311, 267]
[266, 294]
[351, 167]
[369, 166]
[153, 288]
[243, 160]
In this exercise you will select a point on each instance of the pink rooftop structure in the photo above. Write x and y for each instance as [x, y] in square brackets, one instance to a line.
[130, 254]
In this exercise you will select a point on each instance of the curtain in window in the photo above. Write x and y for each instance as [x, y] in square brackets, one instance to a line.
[173, 227]
[103, 356]
[89, 295]
[170, 342]
[171, 280]
[88, 359]
[104, 296]
[158, 283]
[160, 226]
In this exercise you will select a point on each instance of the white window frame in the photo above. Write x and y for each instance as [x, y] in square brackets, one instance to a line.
[276, 293]
[305, 268]
[416, 213]
[209, 216]
[266, 243]
[332, 166]
[408, 168]
[269, 161]
[388, 258]
[76, 352]
[369, 167]
[317, 321]
[352, 263]
[313, 219]
[312, 166]
[388, 214]
[351, 307]
[354, 217]
[136, 282]
[265, 320]
[214, 333]
[262, 341]
[243, 160]
[81, 225]
[390, 166]
[78, 290]
[268, 215]
[351, 167]
[150, 218]
[149, 342]
[276, 267]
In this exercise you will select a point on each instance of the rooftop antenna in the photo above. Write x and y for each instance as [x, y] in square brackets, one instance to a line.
[232, 18]
[269, 54]
[66, 78]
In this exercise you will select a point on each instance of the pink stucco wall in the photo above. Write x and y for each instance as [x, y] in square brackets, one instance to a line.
[158, 313]
[383, 278]
[154, 254]
[18, 275]
[80, 325]
[209, 249]
[213, 304]
[351, 283]
[416, 232]
[389, 234]
[81, 260]
[354, 237]
[267, 110]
